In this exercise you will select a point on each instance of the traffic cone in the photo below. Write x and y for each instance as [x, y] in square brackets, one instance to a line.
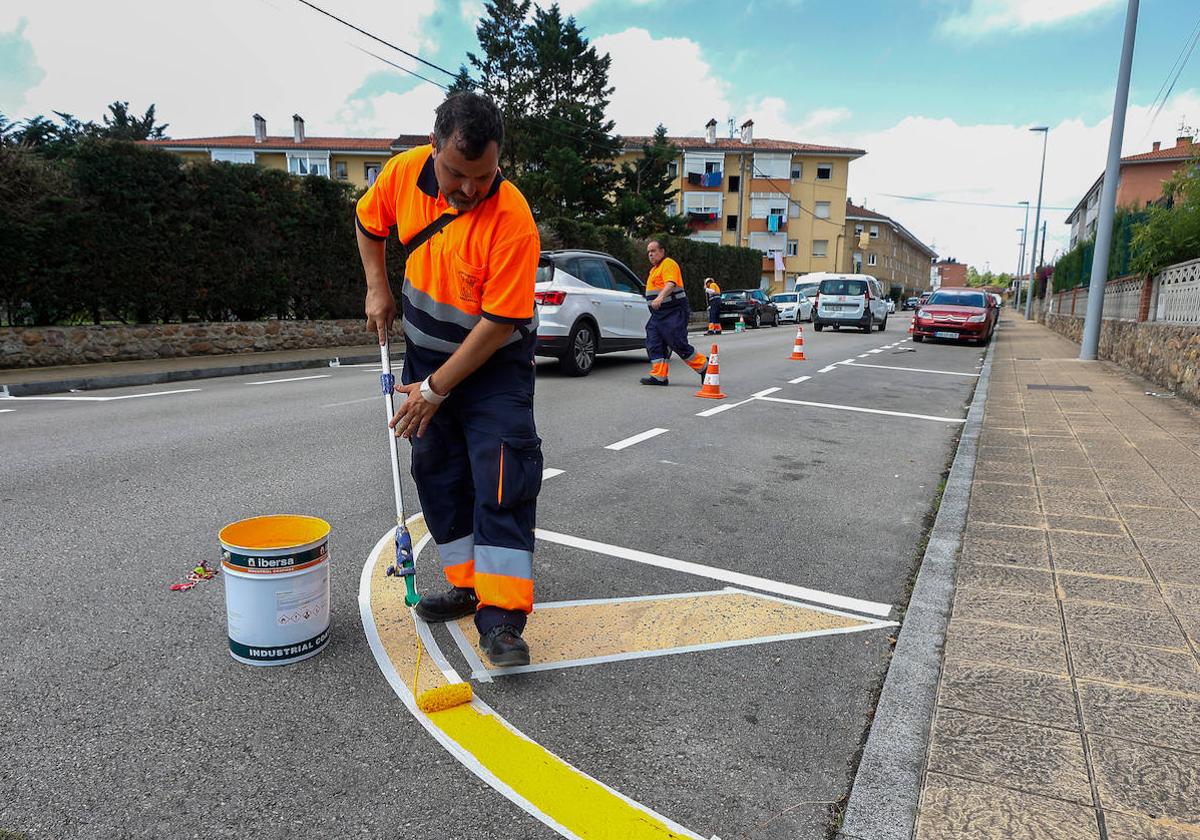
[711, 389]
[798, 347]
[910, 326]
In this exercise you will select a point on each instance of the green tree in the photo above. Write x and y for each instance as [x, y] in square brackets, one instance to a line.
[1170, 233]
[644, 189]
[122, 125]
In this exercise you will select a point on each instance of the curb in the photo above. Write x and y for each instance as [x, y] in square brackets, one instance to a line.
[887, 786]
[88, 383]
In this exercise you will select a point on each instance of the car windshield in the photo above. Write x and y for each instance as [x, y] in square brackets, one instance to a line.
[957, 299]
[784, 298]
[734, 295]
[808, 290]
[842, 286]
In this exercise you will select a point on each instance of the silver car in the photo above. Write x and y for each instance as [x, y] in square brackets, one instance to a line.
[792, 306]
[850, 300]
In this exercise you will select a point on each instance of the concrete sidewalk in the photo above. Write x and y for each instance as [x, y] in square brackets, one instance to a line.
[1069, 699]
[21, 382]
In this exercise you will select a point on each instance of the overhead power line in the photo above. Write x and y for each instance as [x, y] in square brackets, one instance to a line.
[965, 203]
[400, 67]
[1168, 83]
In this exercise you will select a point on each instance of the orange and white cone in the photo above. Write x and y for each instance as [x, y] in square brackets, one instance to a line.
[798, 347]
[910, 325]
[711, 389]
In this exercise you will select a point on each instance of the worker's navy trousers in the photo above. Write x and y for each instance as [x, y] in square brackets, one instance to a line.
[478, 470]
[666, 331]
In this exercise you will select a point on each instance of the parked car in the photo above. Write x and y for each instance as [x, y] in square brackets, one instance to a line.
[924, 297]
[807, 287]
[587, 303]
[751, 304]
[912, 303]
[956, 314]
[792, 306]
[850, 300]
[891, 305]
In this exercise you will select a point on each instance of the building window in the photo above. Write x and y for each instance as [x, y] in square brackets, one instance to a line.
[858, 229]
[711, 166]
[308, 166]
[872, 259]
[339, 170]
[371, 172]
[820, 247]
[793, 248]
[672, 169]
[797, 171]
[822, 210]
[232, 155]
[824, 171]
[735, 183]
[858, 262]
[874, 233]
[731, 222]
[772, 165]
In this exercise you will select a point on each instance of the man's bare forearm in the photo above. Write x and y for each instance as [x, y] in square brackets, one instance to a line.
[373, 253]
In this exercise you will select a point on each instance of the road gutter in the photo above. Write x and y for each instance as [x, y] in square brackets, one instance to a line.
[887, 785]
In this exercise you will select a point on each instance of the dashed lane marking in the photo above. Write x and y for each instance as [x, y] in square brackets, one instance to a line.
[764, 392]
[572, 634]
[105, 399]
[550, 472]
[561, 797]
[290, 379]
[638, 438]
[911, 370]
[798, 380]
[787, 590]
[828, 368]
[351, 402]
[864, 410]
[7, 410]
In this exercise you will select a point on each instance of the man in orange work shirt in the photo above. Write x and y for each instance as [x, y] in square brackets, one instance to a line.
[667, 328]
[469, 328]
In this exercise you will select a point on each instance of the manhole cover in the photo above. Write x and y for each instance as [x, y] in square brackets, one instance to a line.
[1058, 388]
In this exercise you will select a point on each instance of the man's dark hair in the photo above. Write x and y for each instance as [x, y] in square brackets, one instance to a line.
[660, 243]
[474, 118]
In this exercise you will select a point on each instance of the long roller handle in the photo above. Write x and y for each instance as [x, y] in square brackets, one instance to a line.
[404, 566]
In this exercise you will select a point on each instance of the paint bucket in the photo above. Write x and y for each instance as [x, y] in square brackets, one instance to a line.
[276, 588]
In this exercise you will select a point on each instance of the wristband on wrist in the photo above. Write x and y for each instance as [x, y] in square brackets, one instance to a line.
[429, 395]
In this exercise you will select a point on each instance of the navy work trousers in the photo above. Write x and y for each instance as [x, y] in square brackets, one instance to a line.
[666, 331]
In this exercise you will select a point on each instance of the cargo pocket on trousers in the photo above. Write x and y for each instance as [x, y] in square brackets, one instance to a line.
[520, 477]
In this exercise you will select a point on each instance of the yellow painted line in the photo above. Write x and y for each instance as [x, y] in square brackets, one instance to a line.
[552, 791]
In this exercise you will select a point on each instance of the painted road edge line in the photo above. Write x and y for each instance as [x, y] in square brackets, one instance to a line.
[911, 370]
[479, 671]
[638, 438]
[467, 759]
[865, 410]
[290, 379]
[801, 593]
[107, 399]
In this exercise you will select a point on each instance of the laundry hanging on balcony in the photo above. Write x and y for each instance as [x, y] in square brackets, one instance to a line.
[712, 179]
[773, 222]
[696, 179]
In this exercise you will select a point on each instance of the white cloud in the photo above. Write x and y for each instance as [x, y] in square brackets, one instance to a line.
[981, 17]
[389, 114]
[208, 70]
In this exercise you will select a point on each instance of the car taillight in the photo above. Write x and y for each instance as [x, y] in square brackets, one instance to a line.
[549, 298]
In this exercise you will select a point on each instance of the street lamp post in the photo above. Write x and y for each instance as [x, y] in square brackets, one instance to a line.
[1037, 220]
[1021, 260]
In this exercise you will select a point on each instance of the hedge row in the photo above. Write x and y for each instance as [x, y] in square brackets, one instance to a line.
[731, 267]
[1074, 268]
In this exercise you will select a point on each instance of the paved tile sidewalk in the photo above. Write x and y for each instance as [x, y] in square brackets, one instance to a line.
[1069, 701]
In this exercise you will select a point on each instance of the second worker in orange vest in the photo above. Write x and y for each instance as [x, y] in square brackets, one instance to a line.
[667, 328]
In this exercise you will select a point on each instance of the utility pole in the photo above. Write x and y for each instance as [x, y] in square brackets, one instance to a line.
[1108, 196]
[1021, 261]
[1045, 129]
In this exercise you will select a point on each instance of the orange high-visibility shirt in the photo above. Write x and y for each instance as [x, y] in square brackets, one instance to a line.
[665, 272]
[480, 266]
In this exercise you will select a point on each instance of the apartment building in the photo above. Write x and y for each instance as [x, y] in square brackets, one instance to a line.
[778, 196]
[354, 160]
[885, 249]
[1140, 182]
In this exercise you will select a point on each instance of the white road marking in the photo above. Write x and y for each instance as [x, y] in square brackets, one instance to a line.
[827, 368]
[550, 472]
[7, 410]
[790, 590]
[798, 380]
[877, 350]
[290, 379]
[351, 402]
[849, 361]
[630, 441]
[106, 399]
[709, 412]
[911, 370]
[764, 392]
[863, 355]
[479, 671]
[864, 410]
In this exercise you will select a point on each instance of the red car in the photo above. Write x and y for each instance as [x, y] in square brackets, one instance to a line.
[955, 314]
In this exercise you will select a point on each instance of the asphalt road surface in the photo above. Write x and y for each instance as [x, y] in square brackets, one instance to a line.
[124, 715]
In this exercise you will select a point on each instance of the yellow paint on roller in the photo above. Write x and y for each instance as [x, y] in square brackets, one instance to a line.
[620, 627]
[574, 800]
[540, 780]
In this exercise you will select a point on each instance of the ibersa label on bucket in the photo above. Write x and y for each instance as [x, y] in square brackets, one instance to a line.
[270, 654]
[267, 565]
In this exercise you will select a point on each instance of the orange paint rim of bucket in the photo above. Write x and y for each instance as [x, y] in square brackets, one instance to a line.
[279, 532]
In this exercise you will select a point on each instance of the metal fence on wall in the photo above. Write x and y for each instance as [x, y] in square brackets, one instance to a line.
[1172, 296]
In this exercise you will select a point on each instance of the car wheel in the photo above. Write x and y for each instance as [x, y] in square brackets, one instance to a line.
[870, 323]
[918, 338]
[883, 324]
[581, 350]
[757, 322]
[818, 326]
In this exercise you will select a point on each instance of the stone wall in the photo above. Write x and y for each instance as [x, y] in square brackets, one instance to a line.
[30, 347]
[1166, 354]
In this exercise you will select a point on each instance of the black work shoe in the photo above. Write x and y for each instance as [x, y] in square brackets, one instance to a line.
[504, 646]
[703, 372]
[447, 606]
[650, 380]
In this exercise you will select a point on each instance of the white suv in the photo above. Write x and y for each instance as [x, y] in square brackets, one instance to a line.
[588, 303]
[849, 300]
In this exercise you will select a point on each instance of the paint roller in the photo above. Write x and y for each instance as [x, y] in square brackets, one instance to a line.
[446, 696]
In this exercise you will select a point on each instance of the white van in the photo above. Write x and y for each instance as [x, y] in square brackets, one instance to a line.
[848, 300]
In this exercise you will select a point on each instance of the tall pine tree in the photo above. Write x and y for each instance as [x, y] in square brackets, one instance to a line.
[645, 188]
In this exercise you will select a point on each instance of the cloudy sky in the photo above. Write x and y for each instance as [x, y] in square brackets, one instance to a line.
[939, 92]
